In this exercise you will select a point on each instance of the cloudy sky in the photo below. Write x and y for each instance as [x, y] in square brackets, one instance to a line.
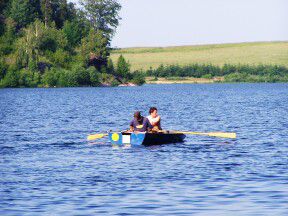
[189, 22]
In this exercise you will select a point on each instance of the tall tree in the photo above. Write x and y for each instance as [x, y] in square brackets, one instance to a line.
[22, 12]
[57, 11]
[103, 15]
[3, 4]
[123, 67]
[28, 46]
[46, 9]
[95, 49]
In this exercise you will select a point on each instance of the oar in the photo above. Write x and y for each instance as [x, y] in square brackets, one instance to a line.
[95, 136]
[212, 134]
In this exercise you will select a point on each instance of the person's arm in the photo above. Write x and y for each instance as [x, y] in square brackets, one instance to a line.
[148, 124]
[131, 129]
[131, 126]
[156, 121]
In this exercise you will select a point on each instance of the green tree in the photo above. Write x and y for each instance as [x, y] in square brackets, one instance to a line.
[11, 79]
[28, 47]
[73, 32]
[46, 9]
[3, 5]
[110, 67]
[95, 49]
[22, 12]
[103, 15]
[61, 58]
[3, 69]
[138, 78]
[81, 75]
[27, 78]
[40, 41]
[7, 40]
[123, 67]
[52, 40]
[94, 76]
[50, 78]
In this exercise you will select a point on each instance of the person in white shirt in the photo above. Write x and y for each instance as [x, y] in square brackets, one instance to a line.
[154, 119]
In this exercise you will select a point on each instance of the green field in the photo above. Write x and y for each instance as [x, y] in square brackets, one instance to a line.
[218, 54]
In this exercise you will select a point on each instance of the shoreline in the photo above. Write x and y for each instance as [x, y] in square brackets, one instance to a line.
[184, 80]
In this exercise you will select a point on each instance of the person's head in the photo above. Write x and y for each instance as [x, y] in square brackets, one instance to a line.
[153, 112]
[137, 116]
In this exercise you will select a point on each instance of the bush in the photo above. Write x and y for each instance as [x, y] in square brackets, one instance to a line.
[50, 78]
[235, 77]
[94, 76]
[10, 79]
[52, 40]
[80, 76]
[3, 69]
[28, 78]
[63, 78]
[61, 58]
[207, 76]
[115, 83]
[138, 78]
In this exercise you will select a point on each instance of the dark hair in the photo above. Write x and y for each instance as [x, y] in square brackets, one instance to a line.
[152, 109]
[137, 116]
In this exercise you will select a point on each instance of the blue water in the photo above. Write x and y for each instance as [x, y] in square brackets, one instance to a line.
[48, 168]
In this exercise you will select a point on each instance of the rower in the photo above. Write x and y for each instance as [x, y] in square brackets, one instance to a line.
[140, 123]
[154, 119]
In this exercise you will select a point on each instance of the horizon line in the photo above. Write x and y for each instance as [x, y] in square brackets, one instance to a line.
[206, 44]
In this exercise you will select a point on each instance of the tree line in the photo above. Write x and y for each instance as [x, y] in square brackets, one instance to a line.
[54, 43]
[231, 73]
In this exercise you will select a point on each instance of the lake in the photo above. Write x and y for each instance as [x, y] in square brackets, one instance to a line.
[48, 168]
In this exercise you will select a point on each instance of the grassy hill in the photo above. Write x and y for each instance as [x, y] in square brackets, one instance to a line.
[218, 54]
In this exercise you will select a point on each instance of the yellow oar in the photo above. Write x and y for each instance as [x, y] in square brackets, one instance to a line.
[96, 136]
[213, 134]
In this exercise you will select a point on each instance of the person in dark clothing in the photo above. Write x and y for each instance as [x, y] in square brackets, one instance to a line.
[140, 123]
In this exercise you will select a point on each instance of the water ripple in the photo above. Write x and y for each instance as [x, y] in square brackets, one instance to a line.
[47, 167]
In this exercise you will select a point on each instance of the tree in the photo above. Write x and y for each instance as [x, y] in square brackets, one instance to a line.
[123, 67]
[94, 76]
[3, 4]
[62, 11]
[46, 9]
[110, 66]
[73, 32]
[22, 12]
[3, 68]
[11, 79]
[103, 15]
[38, 41]
[138, 78]
[28, 46]
[95, 49]
[6, 41]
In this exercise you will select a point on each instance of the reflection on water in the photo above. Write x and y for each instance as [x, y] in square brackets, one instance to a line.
[48, 167]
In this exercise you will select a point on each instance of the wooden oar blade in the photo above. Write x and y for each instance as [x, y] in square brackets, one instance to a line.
[95, 136]
[223, 135]
[212, 134]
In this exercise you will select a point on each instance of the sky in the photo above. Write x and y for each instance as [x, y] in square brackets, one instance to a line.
[147, 23]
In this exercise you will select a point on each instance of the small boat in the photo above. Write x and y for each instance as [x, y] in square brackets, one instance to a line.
[145, 138]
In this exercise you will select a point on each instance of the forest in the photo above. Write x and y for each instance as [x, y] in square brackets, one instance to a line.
[53, 43]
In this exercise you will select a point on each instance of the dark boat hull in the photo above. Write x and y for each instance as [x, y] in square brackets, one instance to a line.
[123, 138]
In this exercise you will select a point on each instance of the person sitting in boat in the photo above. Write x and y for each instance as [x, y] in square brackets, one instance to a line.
[140, 123]
[154, 119]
